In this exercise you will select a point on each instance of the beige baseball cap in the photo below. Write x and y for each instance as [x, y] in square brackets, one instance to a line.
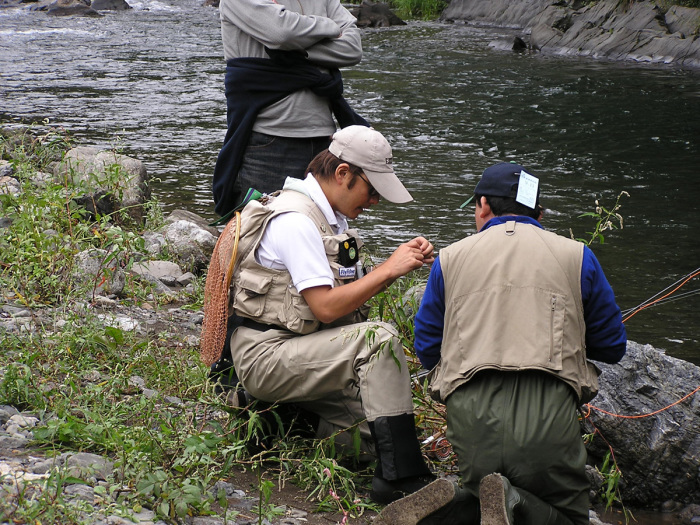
[366, 148]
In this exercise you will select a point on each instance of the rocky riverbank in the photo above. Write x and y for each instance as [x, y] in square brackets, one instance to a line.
[107, 414]
[641, 31]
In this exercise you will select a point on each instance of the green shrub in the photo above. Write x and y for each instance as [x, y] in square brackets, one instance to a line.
[419, 9]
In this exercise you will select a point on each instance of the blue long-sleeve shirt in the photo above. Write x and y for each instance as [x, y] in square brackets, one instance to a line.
[606, 338]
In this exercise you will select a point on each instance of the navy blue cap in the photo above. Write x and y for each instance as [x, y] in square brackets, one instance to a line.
[499, 180]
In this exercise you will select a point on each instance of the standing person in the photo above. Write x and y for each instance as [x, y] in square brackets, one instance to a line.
[507, 324]
[298, 286]
[283, 88]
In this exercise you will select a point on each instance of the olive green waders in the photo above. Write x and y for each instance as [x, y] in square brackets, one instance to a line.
[525, 426]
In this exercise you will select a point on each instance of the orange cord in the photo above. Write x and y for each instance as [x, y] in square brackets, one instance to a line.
[641, 415]
[589, 406]
[662, 297]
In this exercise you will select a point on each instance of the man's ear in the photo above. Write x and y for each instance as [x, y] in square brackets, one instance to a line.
[341, 172]
[485, 209]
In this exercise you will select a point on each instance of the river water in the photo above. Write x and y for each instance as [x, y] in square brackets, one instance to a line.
[449, 99]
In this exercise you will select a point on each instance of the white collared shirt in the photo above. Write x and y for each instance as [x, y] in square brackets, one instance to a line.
[292, 242]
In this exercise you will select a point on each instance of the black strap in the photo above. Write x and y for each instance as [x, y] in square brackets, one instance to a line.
[250, 323]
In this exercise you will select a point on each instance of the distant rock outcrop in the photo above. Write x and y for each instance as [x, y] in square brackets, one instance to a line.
[637, 30]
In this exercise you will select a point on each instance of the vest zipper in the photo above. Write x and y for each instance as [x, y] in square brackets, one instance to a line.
[551, 328]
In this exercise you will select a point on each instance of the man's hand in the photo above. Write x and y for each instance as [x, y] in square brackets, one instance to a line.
[409, 256]
[328, 304]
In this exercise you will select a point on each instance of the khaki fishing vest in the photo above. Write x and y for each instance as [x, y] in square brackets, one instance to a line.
[268, 296]
[513, 302]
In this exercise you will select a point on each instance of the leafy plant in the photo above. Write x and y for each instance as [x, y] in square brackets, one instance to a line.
[606, 219]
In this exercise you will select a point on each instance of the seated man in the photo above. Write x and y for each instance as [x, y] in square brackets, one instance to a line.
[509, 319]
[299, 286]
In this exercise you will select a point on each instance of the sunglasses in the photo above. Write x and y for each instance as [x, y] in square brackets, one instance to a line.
[372, 191]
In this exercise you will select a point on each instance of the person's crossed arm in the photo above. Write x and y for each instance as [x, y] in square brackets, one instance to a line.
[277, 27]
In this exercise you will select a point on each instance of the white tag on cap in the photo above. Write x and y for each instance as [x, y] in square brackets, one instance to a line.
[527, 190]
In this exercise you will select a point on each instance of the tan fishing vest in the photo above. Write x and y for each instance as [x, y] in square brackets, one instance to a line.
[513, 302]
[268, 296]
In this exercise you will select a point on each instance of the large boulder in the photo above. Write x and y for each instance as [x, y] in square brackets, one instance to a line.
[657, 442]
[113, 181]
[110, 5]
[370, 14]
[71, 8]
[189, 239]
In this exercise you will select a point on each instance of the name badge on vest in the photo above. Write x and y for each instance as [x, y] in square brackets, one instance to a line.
[347, 257]
[347, 273]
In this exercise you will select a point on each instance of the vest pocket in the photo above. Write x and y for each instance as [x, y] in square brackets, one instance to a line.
[510, 327]
[250, 298]
[296, 314]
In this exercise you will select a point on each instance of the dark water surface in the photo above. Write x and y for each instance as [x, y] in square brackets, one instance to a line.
[150, 81]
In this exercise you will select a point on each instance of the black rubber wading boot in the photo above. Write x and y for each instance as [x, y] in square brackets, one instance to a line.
[223, 375]
[401, 469]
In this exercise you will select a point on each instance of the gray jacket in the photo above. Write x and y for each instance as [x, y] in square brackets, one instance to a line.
[324, 29]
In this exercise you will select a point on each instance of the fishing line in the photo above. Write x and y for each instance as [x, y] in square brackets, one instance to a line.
[662, 291]
[666, 300]
[665, 297]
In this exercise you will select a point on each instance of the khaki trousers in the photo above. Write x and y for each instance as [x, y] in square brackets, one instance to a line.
[342, 374]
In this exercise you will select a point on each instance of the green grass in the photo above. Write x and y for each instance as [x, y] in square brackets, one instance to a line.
[77, 375]
[81, 377]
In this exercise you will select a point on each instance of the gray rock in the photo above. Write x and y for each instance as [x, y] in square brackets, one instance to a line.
[99, 272]
[6, 168]
[110, 5]
[41, 179]
[667, 443]
[80, 492]
[16, 311]
[186, 278]
[113, 181]
[86, 464]
[191, 244]
[371, 14]
[70, 8]
[185, 215]
[10, 186]
[165, 271]
[206, 520]
[690, 514]
[42, 467]
[158, 286]
[6, 414]
[228, 489]
[24, 421]
[155, 242]
[138, 382]
[13, 442]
